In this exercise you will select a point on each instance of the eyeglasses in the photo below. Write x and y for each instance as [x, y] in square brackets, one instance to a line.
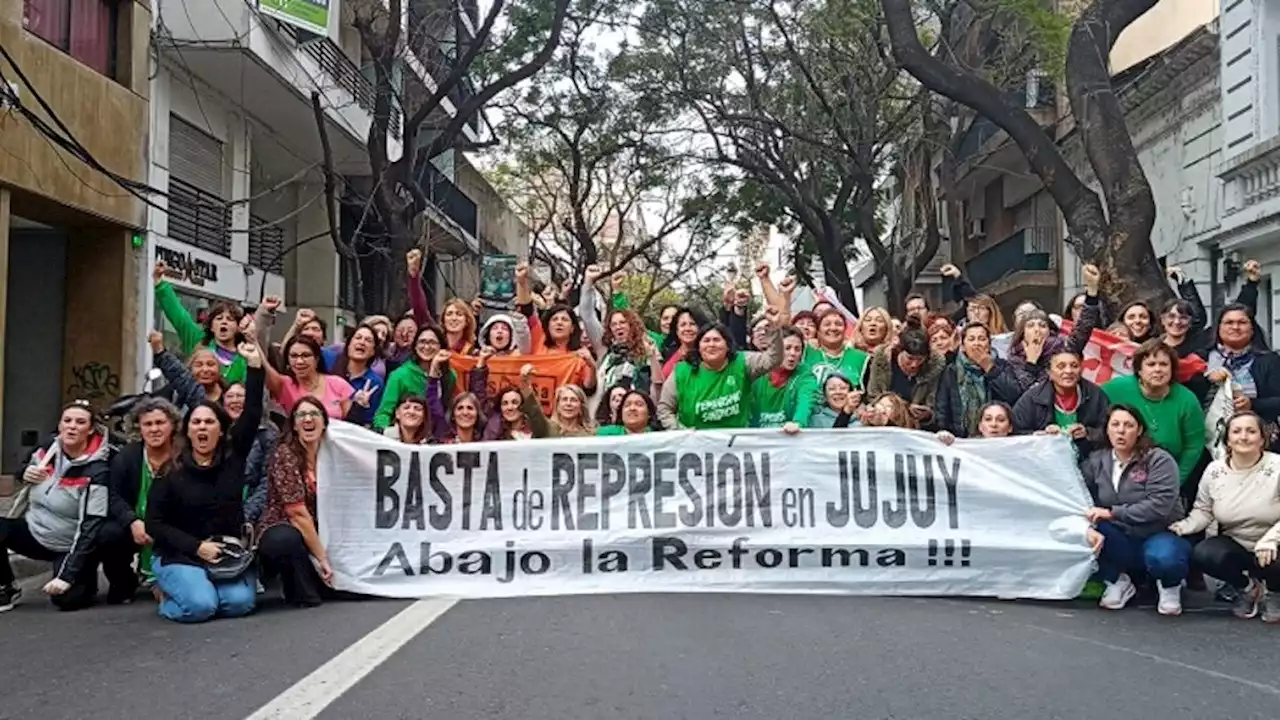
[300, 356]
[308, 414]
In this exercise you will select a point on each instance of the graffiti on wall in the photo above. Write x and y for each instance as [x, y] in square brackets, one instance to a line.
[95, 382]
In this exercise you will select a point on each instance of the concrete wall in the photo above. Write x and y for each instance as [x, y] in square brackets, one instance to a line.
[498, 225]
[107, 116]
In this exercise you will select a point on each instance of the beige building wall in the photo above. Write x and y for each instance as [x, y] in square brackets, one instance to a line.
[1162, 26]
[498, 225]
[86, 261]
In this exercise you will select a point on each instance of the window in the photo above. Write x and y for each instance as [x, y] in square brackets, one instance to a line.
[198, 215]
[84, 29]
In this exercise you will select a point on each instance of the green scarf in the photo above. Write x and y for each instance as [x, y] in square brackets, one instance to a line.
[972, 385]
[140, 509]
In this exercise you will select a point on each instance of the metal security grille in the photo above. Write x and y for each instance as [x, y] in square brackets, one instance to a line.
[198, 214]
[266, 246]
[197, 218]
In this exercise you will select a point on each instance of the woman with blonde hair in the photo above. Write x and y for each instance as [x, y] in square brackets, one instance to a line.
[873, 330]
[569, 416]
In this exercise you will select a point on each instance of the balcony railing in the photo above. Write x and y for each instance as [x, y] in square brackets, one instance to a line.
[266, 245]
[199, 218]
[1028, 249]
[449, 198]
[345, 73]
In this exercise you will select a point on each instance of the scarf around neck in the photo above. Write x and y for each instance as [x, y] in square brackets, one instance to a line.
[972, 384]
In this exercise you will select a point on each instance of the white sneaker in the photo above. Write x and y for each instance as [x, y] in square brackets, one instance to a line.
[1118, 593]
[1170, 599]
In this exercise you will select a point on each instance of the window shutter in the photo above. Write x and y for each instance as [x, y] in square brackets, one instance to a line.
[195, 157]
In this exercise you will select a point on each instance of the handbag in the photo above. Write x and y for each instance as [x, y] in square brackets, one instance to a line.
[235, 561]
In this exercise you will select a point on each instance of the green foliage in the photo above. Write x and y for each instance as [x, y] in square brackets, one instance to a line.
[1044, 29]
[645, 299]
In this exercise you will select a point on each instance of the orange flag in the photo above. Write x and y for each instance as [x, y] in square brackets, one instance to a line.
[550, 371]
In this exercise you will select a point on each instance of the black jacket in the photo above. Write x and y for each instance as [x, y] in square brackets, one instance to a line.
[1002, 385]
[126, 482]
[190, 503]
[1034, 412]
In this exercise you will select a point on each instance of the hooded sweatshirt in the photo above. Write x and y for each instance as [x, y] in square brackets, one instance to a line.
[521, 342]
[65, 512]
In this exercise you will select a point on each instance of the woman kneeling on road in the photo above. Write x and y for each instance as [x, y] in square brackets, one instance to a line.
[1135, 486]
[194, 512]
[1241, 493]
[290, 545]
[62, 516]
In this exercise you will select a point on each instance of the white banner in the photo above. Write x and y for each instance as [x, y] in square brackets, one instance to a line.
[866, 512]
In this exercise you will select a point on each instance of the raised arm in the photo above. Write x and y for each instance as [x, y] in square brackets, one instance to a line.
[587, 310]
[190, 334]
[763, 362]
[1091, 316]
[186, 391]
[245, 428]
[417, 296]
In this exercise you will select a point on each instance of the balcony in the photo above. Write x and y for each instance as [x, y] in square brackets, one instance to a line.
[1027, 257]
[449, 199]
[227, 48]
[199, 218]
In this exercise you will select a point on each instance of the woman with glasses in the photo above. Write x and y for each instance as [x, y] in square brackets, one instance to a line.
[290, 546]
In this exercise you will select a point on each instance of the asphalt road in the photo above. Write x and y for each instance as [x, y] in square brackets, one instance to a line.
[656, 656]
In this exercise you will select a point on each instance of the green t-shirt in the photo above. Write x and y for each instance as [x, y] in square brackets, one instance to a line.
[613, 430]
[815, 368]
[710, 399]
[773, 407]
[1175, 422]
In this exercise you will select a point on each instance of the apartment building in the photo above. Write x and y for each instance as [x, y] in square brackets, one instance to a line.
[73, 137]
[1011, 241]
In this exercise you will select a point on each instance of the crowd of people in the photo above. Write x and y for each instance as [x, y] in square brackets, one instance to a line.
[216, 499]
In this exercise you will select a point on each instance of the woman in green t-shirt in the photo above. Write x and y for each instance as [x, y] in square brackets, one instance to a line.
[774, 395]
[711, 387]
[638, 414]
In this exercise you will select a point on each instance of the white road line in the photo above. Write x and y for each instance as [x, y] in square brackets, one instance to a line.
[312, 694]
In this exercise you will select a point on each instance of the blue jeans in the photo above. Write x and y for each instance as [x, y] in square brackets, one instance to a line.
[191, 597]
[1163, 556]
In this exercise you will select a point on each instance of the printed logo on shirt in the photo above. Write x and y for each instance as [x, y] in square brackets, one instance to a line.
[725, 406]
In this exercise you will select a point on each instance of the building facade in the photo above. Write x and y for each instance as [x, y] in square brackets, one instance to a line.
[74, 103]
[1248, 167]
[235, 143]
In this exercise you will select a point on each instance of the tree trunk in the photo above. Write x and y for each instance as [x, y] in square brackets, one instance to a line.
[1122, 249]
[835, 271]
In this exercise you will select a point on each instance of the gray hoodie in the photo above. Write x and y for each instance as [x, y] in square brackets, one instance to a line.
[66, 511]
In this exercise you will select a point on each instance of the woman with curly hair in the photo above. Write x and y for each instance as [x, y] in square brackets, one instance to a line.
[630, 354]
